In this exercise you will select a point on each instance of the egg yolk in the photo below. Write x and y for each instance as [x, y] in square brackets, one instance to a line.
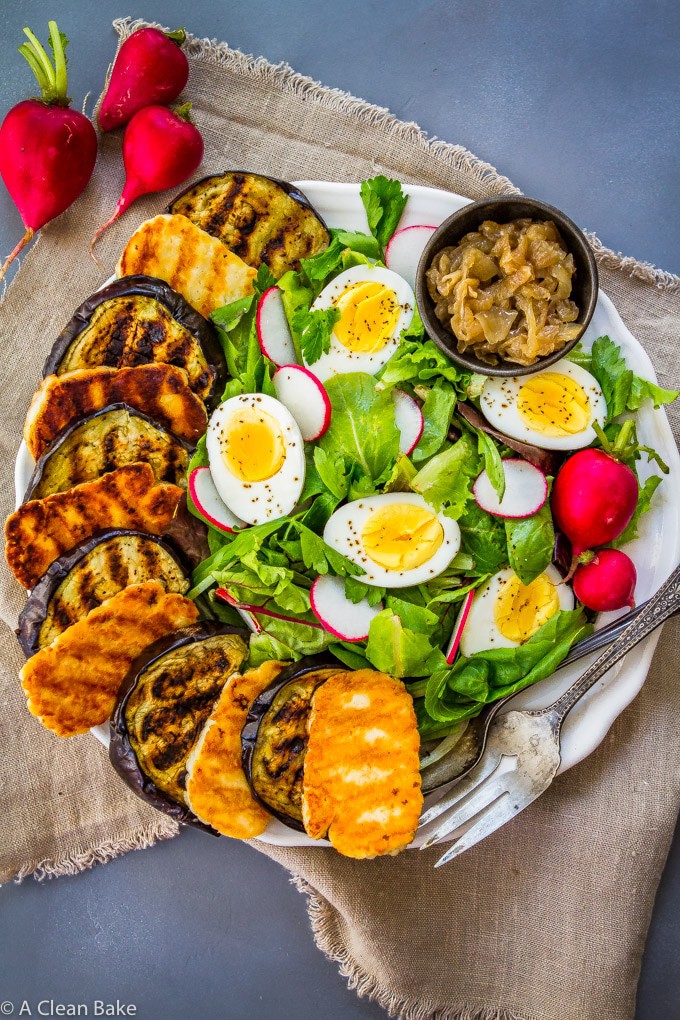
[369, 312]
[253, 446]
[520, 609]
[554, 405]
[401, 536]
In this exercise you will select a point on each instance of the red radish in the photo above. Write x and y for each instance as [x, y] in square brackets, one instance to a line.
[409, 419]
[346, 620]
[273, 332]
[526, 490]
[458, 626]
[593, 499]
[607, 582]
[47, 150]
[149, 69]
[306, 398]
[209, 503]
[161, 148]
[403, 252]
[247, 607]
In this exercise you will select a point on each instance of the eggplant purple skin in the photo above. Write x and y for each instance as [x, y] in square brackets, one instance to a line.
[290, 189]
[33, 614]
[257, 712]
[121, 754]
[65, 433]
[180, 309]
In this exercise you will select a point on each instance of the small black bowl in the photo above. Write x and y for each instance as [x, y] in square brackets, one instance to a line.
[503, 210]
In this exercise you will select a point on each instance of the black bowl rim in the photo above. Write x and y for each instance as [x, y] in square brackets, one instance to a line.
[446, 341]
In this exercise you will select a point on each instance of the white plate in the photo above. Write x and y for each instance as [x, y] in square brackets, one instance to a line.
[655, 552]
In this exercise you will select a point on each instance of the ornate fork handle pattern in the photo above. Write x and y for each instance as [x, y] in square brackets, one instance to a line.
[659, 608]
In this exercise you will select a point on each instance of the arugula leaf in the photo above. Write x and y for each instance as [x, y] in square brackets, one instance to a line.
[623, 390]
[436, 410]
[483, 536]
[356, 591]
[313, 330]
[332, 471]
[531, 541]
[229, 316]
[492, 462]
[645, 493]
[363, 430]
[384, 203]
[460, 691]
[348, 655]
[446, 479]
[321, 558]
[297, 297]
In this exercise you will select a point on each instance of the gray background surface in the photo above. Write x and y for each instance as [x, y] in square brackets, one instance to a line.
[578, 104]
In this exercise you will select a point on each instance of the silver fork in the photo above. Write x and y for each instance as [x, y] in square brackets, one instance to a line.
[523, 747]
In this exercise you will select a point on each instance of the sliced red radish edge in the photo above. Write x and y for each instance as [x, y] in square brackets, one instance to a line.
[458, 626]
[526, 490]
[248, 611]
[346, 620]
[409, 419]
[403, 252]
[273, 332]
[306, 398]
[209, 503]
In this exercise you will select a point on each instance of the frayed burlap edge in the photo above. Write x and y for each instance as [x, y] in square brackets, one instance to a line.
[283, 76]
[75, 862]
[323, 919]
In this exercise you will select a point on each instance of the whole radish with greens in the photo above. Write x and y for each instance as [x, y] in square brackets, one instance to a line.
[47, 150]
[150, 69]
[161, 148]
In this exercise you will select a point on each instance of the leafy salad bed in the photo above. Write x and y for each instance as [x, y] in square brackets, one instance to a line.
[273, 565]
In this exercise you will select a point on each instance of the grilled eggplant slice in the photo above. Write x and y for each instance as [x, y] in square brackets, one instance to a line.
[135, 321]
[106, 440]
[261, 219]
[163, 705]
[274, 738]
[91, 573]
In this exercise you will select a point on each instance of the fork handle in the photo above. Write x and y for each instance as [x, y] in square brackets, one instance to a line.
[659, 608]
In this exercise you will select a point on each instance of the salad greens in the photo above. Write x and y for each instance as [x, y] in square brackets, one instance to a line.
[271, 567]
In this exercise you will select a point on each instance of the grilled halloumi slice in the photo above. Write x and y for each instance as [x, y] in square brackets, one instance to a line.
[71, 685]
[42, 530]
[160, 391]
[196, 265]
[361, 784]
[217, 789]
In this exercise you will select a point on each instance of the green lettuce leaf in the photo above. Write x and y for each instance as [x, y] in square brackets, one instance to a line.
[421, 361]
[384, 203]
[493, 463]
[363, 430]
[531, 541]
[446, 479]
[396, 649]
[436, 410]
[483, 537]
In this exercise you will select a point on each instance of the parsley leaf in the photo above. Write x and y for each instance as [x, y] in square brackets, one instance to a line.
[314, 330]
[384, 203]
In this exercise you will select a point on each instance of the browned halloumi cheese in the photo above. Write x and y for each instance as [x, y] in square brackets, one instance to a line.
[160, 391]
[361, 784]
[196, 265]
[217, 789]
[42, 530]
[71, 685]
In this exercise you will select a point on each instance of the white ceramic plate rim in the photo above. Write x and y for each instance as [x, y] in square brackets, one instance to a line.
[655, 552]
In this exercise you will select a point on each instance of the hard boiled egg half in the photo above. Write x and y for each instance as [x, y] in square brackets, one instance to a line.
[375, 305]
[505, 612]
[256, 456]
[396, 537]
[554, 409]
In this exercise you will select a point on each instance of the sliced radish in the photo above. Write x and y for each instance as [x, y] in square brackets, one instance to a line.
[458, 626]
[346, 620]
[209, 503]
[300, 391]
[403, 252]
[273, 331]
[409, 419]
[246, 609]
[526, 490]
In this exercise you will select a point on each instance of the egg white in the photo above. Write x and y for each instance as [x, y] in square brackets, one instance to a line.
[498, 402]
[343, 532]
[257, 502]
[339, 359]
[481, 631]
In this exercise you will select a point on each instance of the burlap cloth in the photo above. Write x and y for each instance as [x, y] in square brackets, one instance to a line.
[548, 917]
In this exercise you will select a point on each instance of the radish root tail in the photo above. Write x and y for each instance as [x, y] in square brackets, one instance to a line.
[28, 236]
